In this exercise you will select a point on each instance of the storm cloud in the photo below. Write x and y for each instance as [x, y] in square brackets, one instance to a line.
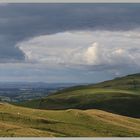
[22, 21]
[81, 40]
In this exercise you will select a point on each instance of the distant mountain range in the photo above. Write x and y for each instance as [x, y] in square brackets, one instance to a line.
[34, 85]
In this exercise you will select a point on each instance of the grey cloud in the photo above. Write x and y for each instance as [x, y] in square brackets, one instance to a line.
[115, 53]
[22, 21]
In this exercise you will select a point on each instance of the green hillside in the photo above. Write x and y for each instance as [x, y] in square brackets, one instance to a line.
[20, 121]
[129, 82]
[120, 96]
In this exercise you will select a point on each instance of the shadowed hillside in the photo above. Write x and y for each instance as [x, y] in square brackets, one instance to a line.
[120, 96]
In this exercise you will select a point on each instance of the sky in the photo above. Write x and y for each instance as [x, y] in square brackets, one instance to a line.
[68, 43]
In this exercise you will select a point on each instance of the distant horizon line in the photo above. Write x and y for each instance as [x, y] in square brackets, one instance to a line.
[45, 82]
[67, 82]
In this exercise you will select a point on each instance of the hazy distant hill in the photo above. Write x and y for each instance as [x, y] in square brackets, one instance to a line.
[15, 92]
[15, 85]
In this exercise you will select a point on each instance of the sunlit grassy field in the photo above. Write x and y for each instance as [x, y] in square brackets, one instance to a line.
[20, 121]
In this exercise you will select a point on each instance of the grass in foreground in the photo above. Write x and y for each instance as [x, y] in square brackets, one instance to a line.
[20, 121]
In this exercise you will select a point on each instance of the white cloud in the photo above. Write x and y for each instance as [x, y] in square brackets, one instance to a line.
[92, 53]
[86, 48]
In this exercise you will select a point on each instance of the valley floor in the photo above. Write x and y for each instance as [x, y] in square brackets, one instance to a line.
[24, 122]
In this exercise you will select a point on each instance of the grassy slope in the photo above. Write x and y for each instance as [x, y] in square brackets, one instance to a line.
[130, 82]
[107, 100]
[120, 96]
[20, 121]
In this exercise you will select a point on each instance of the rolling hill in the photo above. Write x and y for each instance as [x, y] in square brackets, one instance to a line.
[107, 109]
[24, 122]
[120, 96]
